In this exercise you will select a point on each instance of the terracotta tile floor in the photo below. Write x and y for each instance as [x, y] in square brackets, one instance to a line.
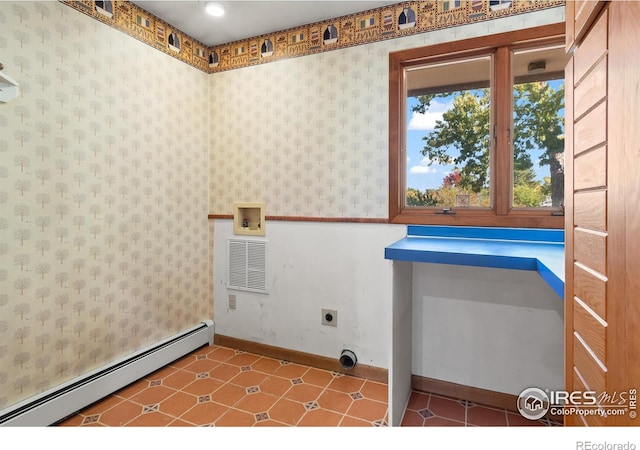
[219, 386]
[431, 410]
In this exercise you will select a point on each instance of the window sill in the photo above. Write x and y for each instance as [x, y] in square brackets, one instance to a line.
[479, 218]
[541, 250]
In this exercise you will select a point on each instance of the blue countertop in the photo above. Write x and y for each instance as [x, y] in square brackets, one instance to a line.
[541, 250]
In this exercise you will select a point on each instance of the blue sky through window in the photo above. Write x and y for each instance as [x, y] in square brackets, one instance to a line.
[420, 175]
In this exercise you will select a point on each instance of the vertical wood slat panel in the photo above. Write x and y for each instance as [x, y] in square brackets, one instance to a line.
[588, 225]
[590, 169]
[578, 385]
[591, 250]
[591, 90]
[632, 194]
[591, 290]
[590, 210]
[568, 233]
[591, 420]
[592, 48]
[623, 305]
[588, 368]
[576, 419]
[584, 13]
[591, 330]
[570, 26]
[591, 130]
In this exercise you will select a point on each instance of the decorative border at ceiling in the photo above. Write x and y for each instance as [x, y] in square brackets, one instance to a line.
[402, 19]
[144, 26]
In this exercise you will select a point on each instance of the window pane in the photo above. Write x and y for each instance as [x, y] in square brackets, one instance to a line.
[538, 124]
[447, 134]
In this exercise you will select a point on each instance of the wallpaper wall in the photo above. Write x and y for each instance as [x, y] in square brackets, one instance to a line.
[389, 22]
[104, 196]
[309, 136]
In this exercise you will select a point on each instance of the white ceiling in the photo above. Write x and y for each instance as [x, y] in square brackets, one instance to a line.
[245, 19]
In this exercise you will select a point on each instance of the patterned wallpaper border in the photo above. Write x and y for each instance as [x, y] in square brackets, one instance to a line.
[399, 20]
[145, 27]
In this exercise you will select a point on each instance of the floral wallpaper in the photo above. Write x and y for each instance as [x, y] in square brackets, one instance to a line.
[104, 197]
[309, 135]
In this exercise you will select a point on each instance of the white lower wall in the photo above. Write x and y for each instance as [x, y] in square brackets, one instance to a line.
[495, 329]
[311, 266]
[490, 328]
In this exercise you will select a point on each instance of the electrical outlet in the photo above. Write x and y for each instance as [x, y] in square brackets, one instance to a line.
[232, 301]
[330, 317]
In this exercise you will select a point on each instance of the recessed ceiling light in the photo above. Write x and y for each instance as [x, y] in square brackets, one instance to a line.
[215, 9]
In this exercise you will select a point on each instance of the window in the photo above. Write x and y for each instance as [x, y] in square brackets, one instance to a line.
[538, 126]
[477, 131]
[448, 133]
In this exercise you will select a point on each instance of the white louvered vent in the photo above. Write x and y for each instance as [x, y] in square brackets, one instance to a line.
[248, 265]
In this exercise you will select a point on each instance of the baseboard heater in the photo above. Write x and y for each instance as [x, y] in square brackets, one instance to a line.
[55, 404]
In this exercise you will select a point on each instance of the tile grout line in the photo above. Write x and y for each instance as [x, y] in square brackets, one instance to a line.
[306, 411]
[324, 389]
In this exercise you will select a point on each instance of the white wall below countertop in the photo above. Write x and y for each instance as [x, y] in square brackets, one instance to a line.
[495, 329]
[311, 266]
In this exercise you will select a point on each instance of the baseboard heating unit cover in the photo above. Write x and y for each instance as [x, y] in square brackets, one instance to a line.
[63, 400]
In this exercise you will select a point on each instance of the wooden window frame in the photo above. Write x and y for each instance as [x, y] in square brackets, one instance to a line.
[501, 214]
